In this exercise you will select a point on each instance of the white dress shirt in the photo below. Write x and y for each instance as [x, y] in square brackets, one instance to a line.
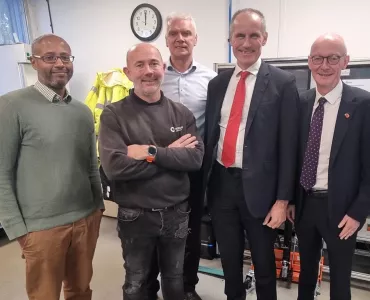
[226, 109]
[331, 108]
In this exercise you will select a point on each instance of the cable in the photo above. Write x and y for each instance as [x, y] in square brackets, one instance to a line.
[51, 20]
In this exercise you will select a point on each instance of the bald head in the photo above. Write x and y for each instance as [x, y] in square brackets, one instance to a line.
[327, 59]
[46, 40]
[53, 61]
[335, 40]
[145, 69]
[142, 48]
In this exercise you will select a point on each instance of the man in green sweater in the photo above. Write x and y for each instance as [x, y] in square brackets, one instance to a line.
[50, 192]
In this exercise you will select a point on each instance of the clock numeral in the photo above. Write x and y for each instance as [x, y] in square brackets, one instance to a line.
[137, 23]
[153, 16]
[137, 18]
[151, 32]
[153, 27]
[141, 13]
[138, 29]
[155, 21]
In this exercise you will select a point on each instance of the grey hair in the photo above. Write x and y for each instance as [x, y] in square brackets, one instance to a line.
[249, 11]
[180, 16]
[39, 39]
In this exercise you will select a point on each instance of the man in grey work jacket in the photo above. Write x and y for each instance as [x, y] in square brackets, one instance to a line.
[186, 81]
[147, 144]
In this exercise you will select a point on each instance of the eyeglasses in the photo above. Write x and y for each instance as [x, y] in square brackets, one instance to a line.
[331, 59]
[52, 59]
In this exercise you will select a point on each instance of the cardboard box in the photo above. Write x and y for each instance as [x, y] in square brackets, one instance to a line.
[296, 267]
[278, 254]
[295, 277]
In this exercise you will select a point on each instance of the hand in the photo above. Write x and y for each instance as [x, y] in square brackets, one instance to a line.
[138, 152]
[187, 141]
[277, 214]
[21, 240]
[291, 213]
[349, 226]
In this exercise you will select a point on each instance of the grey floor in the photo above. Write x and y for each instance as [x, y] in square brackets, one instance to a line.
[109, 274]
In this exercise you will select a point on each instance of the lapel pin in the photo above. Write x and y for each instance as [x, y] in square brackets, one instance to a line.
[346, 115]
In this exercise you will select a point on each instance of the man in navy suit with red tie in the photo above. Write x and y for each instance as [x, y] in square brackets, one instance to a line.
[333, 197]
[251, 135]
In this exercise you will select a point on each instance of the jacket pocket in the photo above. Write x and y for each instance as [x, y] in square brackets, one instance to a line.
[184, 209]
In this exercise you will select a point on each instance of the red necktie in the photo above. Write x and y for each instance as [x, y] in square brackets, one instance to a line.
[232, 129]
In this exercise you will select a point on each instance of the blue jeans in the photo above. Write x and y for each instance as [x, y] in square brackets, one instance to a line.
[143, 232]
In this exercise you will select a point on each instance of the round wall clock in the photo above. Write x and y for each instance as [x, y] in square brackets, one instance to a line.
[146, 22]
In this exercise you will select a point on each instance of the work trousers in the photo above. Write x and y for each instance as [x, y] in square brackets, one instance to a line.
[62, 255]
[146, 233]
[192, 248]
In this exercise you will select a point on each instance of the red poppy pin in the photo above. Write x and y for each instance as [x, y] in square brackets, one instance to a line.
[347, 115]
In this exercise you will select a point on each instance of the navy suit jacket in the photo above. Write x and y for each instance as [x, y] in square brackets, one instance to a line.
[271, 137]
[349, 164]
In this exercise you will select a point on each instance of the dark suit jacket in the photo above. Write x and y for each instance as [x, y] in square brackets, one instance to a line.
[349, 164]
[271, 137]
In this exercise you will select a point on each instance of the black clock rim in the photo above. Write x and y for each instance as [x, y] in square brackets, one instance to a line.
[156, 33]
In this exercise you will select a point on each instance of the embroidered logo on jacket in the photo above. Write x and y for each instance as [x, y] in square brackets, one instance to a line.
[176, 129]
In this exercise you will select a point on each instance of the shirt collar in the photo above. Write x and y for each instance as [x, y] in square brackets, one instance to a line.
[50, 94]
[192, 68]
[333, 96]
[253, 69]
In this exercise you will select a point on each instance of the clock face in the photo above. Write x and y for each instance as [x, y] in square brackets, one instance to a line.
[146, 22]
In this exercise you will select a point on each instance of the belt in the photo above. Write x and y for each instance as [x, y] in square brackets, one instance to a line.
[232, 171]
[168, 208]
[318, 193]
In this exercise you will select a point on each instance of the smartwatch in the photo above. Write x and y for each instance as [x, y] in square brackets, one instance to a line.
[152, 152]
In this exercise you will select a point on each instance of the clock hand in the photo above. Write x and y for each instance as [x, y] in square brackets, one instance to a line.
[145, 17]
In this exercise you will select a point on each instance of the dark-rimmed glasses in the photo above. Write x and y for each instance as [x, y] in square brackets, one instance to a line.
[331, 59]
[52, 59]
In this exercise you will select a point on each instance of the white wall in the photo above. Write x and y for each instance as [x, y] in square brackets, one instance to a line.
[294, 24]
[10, 55]
[271, 10]
[303, 22]
[99, 32]
[37, 17]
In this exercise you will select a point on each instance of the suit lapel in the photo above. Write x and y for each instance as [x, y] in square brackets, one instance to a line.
[258, 92]
[220, 96]
[307, 109]
[345, 113]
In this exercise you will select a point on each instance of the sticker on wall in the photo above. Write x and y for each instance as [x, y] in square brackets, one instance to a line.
[345, 72]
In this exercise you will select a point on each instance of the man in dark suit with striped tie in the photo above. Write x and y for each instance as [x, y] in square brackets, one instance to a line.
[333, 197]
[251, 135]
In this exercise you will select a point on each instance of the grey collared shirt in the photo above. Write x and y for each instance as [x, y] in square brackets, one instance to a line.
[189, 88]
[50, 94]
